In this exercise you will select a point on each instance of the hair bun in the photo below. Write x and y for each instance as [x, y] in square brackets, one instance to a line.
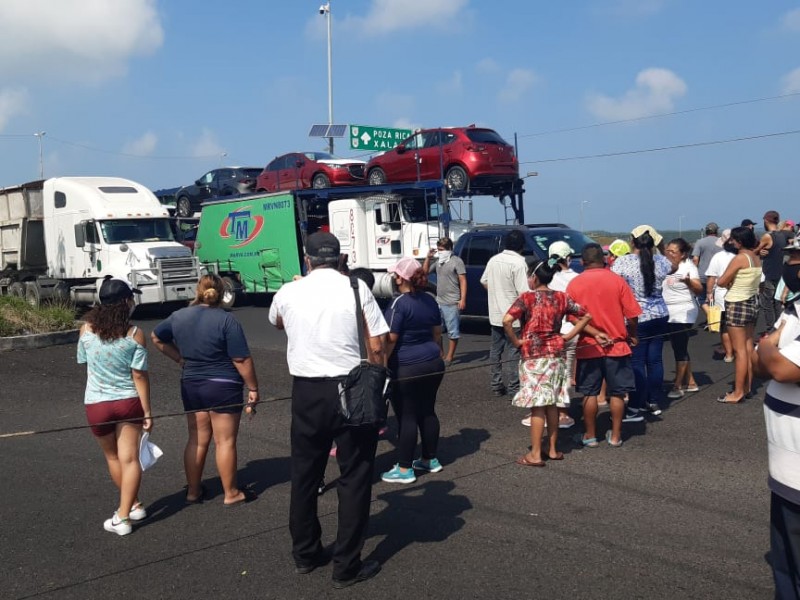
[210, 295]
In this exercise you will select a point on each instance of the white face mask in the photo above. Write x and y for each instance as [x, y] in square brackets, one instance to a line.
[443, 255]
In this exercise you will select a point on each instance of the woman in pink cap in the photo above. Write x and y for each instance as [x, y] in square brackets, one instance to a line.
[414, 349]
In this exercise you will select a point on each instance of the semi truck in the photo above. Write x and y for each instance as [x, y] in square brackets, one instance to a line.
[60, 237]
[255, 243]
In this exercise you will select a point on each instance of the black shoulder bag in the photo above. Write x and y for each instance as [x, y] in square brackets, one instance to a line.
[363, 395]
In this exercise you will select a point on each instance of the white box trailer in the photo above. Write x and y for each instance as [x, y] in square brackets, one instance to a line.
[60, 237]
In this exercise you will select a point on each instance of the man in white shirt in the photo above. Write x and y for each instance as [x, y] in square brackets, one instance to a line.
[505, 278]
[318, 313]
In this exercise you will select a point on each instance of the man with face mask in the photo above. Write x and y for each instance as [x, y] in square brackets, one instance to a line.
[777, 357]
[451, 290]
[318, 313]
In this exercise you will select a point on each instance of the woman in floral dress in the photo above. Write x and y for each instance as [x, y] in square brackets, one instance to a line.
[544, 380]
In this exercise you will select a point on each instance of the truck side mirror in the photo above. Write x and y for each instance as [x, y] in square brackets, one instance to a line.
[80, 234]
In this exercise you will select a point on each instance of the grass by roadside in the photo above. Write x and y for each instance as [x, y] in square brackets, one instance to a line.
[17, 317]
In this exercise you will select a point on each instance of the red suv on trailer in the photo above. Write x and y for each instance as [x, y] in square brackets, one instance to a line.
[470, 158]
[301, 170]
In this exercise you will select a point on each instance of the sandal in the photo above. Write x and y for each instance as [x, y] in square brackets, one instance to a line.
[587, 442]
[691, 388]
[558, 456]
[526, 462]
[610, 443]
[724, 400]
[247, 497]
[199, 499]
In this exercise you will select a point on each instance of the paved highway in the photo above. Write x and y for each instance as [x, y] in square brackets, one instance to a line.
[680, 511]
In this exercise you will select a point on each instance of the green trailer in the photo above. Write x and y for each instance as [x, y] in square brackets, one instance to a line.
[252, 242]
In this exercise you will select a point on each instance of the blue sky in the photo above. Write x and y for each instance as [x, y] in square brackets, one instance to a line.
[160, 91]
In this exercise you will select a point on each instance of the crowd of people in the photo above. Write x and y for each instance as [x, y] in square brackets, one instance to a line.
[600, 331]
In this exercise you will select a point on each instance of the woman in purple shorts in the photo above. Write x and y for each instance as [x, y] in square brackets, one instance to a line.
[209, 344]
[117, 395]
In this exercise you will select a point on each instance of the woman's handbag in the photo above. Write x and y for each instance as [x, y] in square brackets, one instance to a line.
[363, 395]
[713, 317]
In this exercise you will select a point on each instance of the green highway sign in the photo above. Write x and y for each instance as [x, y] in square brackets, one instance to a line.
[366, 137]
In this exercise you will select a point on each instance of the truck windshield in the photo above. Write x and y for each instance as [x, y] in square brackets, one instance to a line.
[420, 209]
[117, 231]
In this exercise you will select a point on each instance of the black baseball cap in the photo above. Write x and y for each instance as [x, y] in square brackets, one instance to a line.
[322, 245]
[747, 223]
[116, 290]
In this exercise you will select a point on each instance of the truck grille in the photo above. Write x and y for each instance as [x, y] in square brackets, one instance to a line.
[173, 269]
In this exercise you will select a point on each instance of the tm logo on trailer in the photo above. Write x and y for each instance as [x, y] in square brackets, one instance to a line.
[242, 226]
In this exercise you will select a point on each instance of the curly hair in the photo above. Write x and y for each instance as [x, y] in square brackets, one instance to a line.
[419, 281]
[110, 321]
[209, 290]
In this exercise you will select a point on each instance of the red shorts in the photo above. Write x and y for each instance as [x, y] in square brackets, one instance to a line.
[100, 413]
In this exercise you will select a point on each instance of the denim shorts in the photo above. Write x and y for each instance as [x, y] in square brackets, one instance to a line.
[450, 320]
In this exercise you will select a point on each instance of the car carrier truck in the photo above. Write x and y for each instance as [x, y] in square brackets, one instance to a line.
[255, 243]
[60, 237]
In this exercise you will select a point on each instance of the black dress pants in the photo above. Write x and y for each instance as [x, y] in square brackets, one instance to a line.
[316, 424]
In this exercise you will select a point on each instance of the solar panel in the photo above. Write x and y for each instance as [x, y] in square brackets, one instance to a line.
[336, 131]
[318, 131]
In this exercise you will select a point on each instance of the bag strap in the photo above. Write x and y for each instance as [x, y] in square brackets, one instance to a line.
[359, 319]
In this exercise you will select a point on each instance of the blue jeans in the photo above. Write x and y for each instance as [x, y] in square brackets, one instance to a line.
[648, 364]
[503, 349]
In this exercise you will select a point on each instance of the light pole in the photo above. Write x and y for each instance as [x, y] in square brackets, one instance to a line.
[40, 135]
[582, 203]
[325, 10]
[680, 225]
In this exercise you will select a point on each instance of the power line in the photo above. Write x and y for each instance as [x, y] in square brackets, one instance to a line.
[112, 152]
[660, 115]
[662, 148]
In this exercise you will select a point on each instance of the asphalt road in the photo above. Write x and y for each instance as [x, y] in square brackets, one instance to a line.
[680, 511]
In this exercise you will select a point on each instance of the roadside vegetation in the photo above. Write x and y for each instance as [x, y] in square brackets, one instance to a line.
[17, 317]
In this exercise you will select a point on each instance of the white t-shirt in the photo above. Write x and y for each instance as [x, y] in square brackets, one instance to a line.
[506, 277]
[719, 262]
[559, 284]
[319, 315]
[680, 300]
[783, 429]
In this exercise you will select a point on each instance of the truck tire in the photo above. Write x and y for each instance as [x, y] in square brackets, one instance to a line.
[17, 290]
[184, 207]
[32, 294]
[229, 295]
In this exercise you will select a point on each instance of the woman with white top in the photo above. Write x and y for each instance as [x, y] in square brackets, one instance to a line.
[679, 290]
[742, 279]
[714, 293]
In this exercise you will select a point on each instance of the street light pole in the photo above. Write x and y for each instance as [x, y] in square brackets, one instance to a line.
[40, 135]
[582, 203]
[325, 10]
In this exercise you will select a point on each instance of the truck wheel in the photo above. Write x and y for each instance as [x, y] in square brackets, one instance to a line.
[184, 208]
[320, 181]
[229, 295]
[32, 295]
[16, 290]
[457, 179]
[376, 176]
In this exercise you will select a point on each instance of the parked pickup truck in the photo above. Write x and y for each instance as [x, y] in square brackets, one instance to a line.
[479, 244]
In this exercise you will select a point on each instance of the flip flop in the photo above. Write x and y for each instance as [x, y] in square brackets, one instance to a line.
[610, 443]
[199, 499]
[586, 443]
[724, 400]
[691, 389]
[247, 497]
[523, 461]
[558, 456]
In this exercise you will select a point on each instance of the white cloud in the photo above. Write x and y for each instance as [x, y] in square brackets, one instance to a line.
[86, 40]
[13, 101]
[487, 66]
[143, 145]
[206, 145]
[385, 16]
[452, 86]
[518, 81]
[791, 82]
[406, 123]
[791, 20]
[655, 92]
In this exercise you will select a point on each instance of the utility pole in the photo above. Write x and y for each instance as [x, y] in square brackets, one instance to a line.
[40, 135]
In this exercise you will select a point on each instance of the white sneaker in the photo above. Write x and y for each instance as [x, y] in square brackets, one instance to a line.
[117, 525]
[137, 512]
